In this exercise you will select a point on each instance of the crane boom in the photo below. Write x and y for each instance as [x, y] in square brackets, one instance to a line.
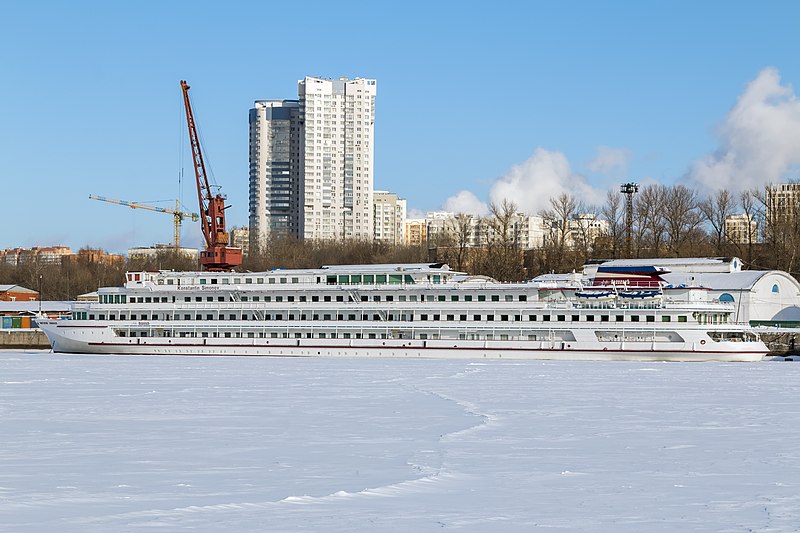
[178, 215]
[218, 256]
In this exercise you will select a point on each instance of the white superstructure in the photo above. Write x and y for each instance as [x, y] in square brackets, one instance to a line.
[411, 310]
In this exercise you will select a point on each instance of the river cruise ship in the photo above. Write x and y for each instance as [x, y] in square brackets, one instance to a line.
[409, 310]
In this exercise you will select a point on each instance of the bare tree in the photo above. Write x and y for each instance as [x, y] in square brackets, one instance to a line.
[716, 210]
[614, 213]
[681, 217]
[650, 230]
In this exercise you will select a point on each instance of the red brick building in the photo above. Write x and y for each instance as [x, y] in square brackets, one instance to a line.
[16, 293]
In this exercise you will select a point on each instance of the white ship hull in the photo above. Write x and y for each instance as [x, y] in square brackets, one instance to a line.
[67, 338]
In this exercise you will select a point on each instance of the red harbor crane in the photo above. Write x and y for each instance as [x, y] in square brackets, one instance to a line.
[217, 256]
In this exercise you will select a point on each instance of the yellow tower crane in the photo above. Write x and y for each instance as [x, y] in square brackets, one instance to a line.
[176, 213]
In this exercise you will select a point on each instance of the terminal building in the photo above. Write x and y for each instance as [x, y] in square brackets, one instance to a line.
[760, 297]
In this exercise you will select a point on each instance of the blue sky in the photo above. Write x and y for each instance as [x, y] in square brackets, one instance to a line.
[522, 99]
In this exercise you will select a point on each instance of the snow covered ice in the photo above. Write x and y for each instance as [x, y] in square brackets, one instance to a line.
[111, 443]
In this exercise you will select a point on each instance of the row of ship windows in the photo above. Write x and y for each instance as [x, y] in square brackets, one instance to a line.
[332, 335]
[115, 299]
[345, 279]
[403, 317]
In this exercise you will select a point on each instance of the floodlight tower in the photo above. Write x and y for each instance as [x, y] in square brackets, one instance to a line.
[628, 189]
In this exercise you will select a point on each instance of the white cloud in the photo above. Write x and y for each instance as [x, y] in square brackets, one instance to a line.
[466, 202]
[611, 161]
[759, 139]
[543, 176]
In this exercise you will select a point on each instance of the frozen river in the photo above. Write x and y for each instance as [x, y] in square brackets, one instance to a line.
[111, 443]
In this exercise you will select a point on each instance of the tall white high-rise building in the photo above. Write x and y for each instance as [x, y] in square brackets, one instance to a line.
[337, 154]
[275, 134]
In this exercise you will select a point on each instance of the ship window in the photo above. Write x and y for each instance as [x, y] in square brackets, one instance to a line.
[295, 280]
[187, 299]
[355, 278]
[225, 281]
[326, 317]
[490, 318]
[268, 317]
[237, 281]
[376, 298]
[327, 298]
[666, 318]
[283, 280]
[423, 317]
[389, 298]
[603, 318]
[187, 317]
[302, 298]
[476, 317]
[441, 297]
[233, 317]
[279, 298]
[213, 281]
[321, 335]
[509, 297]
[290, 298]
[463, 318]
[436, 317]
[590, 318]
[279, 317]
[451, 317]
[561, 318]
[209, 317]
[351, 317]
[330, 280]
[776, 289]
[272, 281]
[481, 297]
[532, 318]
[546, 318]
[504, 318]
[198, 317]
[380, 278]
[396, 279]
[339, 317]
[259, 280]
[267, 298]
[163, 299]
[291, 316]
[518, 318]
[313, 299]
[246, 280]
[468, 298]
[369, 278]
[725, 297]
[650, 318]
[209, 298]
[244, 298]
[343, 280]
[169, 282]
[634, 318]
[198, 299]
[619, 318]
[374, 317]
[454, 298]
[256, 298]
[202, 281]
[412, 298]
[576, 318]
[495, 297]
[523, 297]
[147, 299]
[340, 298]
[273, 335]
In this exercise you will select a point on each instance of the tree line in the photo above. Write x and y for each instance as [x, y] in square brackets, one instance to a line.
[668, 221]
